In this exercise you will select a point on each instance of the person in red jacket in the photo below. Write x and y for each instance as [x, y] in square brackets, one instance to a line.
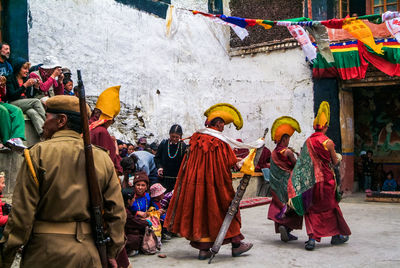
[3, 218]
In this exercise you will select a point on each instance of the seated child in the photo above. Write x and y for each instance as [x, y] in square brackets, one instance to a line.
[390, 183]
[137, 202]
[157, 194]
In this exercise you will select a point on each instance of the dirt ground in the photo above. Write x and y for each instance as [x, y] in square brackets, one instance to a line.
[374, 242]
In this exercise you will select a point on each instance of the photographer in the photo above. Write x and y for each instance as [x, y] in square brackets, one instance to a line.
[50, 77]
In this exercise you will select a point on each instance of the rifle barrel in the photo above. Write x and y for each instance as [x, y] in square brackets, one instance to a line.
[94, 190]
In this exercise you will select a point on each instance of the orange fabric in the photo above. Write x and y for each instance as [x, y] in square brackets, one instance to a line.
[282, 130]
[378, 31]
[206, 191]
[227, 117]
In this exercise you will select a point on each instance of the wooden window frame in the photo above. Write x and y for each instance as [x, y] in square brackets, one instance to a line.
[384, 5]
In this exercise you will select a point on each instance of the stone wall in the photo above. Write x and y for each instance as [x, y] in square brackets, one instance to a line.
[170, 80]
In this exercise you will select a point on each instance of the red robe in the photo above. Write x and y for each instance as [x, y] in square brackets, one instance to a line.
[324, 218]
[291, 220]
[99, 136]
[198, 208]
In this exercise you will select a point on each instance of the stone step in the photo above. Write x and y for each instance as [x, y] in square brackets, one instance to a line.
[11, 162]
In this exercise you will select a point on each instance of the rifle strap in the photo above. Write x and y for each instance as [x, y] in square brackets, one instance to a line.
[28, 160]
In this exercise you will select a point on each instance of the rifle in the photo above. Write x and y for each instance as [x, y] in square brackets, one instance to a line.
[233, 208]
[96, 201]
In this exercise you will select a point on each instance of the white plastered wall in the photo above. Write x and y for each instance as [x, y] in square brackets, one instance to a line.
[170, 80]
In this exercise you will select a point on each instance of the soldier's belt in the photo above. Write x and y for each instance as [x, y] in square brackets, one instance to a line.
[45, 227]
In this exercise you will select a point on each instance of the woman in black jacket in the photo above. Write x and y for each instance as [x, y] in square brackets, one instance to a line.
[169, 157]
[20, 90]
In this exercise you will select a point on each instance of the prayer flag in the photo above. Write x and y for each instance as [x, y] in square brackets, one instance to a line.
[304, 40]
[265, 23]
[242, 33]
[393, 26]
[388, 15]
[333, 23]
[322, 39]
[361, 32]
[234, 20]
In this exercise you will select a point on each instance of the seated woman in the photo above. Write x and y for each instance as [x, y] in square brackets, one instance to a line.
[20, 90]
[390, 183]
[137, 202]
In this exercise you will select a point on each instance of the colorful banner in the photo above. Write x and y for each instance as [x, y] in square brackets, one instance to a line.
[347, 63]
[344, 60]
[352, 59]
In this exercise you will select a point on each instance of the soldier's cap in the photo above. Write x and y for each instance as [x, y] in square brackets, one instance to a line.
[64, 104]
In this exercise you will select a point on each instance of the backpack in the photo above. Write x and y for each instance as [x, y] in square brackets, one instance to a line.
[149, 244]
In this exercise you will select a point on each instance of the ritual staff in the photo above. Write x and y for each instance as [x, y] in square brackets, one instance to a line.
[312, 188]
[203, 190]
[109, 105]
[50, 214]
[282, 164]
[169, 157]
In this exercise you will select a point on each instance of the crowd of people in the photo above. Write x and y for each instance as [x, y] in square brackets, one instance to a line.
[23, 90]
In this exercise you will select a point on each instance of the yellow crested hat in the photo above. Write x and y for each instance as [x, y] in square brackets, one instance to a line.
[323, 116]
[108, 102]
[227, 112]
[284, 125]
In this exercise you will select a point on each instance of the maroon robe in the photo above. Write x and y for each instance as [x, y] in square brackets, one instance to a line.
[203, 193]
[134, 230]
[290, 220]
[264, 160]
[99, 136]
[324, 218]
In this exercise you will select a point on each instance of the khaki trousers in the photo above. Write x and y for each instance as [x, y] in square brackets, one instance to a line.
[34, 109]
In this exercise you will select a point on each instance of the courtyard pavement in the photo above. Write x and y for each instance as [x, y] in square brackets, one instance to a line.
[375, 242]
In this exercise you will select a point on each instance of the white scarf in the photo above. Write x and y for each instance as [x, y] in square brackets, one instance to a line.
[232, 142]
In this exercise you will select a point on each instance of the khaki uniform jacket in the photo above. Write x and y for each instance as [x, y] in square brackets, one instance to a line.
[62, 196]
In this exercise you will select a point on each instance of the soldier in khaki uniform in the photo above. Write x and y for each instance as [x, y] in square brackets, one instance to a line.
[50, 214]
